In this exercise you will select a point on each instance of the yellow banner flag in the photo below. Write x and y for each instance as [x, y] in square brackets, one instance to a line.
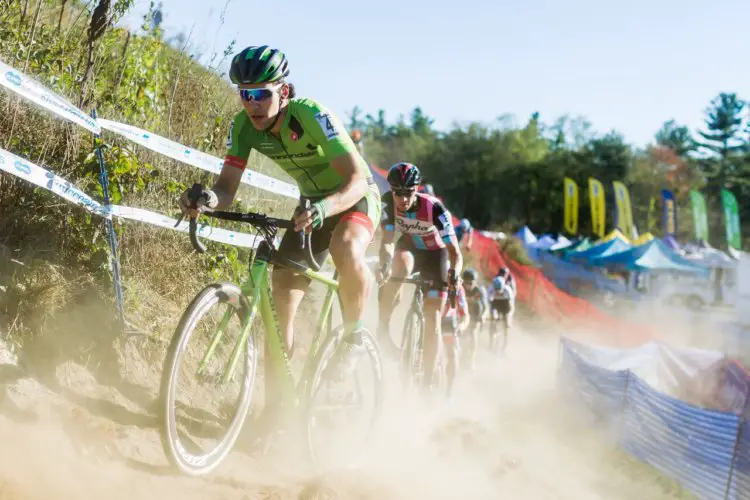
[571, 206]
[598, 207]
[624, 211]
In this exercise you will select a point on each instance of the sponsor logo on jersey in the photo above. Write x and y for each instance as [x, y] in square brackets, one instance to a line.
[413, 226]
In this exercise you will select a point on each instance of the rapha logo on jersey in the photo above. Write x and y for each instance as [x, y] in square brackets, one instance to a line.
[13, 78]
[326, 123]
[413, 226]
[229, 136]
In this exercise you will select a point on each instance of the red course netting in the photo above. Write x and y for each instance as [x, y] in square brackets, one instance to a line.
[543, 298]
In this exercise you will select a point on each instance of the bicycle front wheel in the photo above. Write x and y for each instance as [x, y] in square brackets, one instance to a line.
[411, 359]
[207, 381]
[341, 413]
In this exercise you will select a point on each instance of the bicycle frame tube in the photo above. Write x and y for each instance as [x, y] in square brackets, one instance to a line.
[324, 323]
[253, 293]
[215, 341]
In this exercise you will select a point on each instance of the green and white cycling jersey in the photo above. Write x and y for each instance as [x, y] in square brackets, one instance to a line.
[310, 137]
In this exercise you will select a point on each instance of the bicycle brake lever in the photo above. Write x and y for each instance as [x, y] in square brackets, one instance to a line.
[182, 217]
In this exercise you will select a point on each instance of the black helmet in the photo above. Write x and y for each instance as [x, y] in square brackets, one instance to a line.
[469, 275]
[504, 271]
[404, 175]
[258, 65]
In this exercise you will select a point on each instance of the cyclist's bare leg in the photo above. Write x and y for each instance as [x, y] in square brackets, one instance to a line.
[390, 293]
[473, 342]
[508, 321]
[494, 321]
[433, 307]
[348, 246]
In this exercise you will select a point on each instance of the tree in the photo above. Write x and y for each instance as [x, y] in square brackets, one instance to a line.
[724, 123]
[610, 156]
[157, 16]
[676, 137]
[571, 133]
[377, 126]
[421, 124]
[355, 122]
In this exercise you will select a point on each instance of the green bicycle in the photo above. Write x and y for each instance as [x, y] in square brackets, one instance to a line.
[233, 308]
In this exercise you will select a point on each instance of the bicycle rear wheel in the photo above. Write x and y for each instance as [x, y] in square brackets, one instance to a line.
[341, 414]
[190, 422]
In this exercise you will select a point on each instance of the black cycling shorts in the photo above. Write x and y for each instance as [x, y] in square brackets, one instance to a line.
[431, 265]
[501, 305]
[289, 248]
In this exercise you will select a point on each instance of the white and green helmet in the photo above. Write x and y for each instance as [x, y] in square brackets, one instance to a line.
[258, 65]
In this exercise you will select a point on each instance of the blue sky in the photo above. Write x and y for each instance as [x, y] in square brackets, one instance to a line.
[627, 65]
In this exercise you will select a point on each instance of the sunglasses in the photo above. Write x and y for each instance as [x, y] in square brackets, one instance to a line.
[258, 94]
[403, 192]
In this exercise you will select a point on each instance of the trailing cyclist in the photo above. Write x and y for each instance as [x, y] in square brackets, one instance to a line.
[309, 143]
[479, 308]
[418, 235]
[464, 233]
[502, 296]
[455, 322]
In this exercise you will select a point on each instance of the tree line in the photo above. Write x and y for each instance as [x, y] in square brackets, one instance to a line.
[502, 175]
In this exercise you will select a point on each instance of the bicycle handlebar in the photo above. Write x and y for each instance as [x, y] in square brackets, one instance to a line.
[266, 225]
[414, 279]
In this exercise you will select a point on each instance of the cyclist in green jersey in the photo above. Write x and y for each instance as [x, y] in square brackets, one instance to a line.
[311, 145]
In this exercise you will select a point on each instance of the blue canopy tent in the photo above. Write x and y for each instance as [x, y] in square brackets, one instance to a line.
[611, 247]
[671, 242]
[576, 246]
[651, 256]
[526, 236]
[544, 243]
[562, 242]
[569, 276]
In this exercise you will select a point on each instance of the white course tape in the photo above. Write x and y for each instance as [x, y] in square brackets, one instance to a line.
[19, 167]
[32, 90]
[204, 231]
[17, 82]
[196, 158]
[43, 178]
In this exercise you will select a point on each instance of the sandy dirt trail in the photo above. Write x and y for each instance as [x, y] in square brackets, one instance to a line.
[69, 432]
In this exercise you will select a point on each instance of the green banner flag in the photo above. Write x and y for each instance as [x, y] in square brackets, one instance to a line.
[731, 219]
[700, 216]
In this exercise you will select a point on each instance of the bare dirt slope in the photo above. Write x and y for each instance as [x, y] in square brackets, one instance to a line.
[82, 426]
